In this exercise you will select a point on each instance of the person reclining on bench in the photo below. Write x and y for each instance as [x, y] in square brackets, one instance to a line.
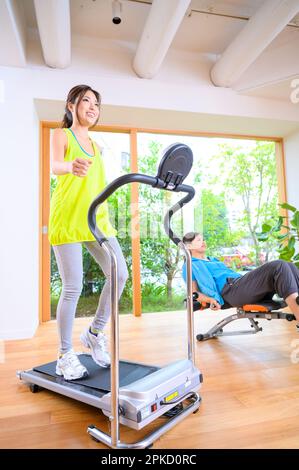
[217, 285]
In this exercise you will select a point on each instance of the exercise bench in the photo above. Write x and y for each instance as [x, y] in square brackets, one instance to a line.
[268, 310]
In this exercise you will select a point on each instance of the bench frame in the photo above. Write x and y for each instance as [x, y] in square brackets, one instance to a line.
[252, 312]
[267, 310]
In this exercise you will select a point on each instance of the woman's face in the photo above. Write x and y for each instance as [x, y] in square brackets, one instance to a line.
[88, 109]
[198, 244]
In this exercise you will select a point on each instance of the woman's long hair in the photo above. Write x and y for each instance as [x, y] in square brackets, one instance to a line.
[74, 96]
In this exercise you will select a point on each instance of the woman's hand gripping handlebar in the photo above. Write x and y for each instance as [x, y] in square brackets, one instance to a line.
[201, 302]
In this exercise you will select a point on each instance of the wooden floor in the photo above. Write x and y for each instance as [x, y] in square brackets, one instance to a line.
[250, 394]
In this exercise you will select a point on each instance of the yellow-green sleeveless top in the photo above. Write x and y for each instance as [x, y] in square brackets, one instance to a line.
[72, 197]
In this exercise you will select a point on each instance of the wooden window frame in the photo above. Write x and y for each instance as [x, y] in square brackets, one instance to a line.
[44, 202]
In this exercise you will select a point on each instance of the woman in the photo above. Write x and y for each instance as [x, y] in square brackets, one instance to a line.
[217, 284]
[77, 162]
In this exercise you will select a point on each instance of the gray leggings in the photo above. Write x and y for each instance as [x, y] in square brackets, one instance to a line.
[70, 265]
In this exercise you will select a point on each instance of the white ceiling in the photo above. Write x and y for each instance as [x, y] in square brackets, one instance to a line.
[205, 30]
[208, 27]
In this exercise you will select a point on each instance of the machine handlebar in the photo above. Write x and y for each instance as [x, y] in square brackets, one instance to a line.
[175, 165]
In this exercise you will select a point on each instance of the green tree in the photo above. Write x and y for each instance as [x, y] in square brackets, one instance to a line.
[159, 255]
[251, 176]
[120, 216]
[216, 230]
[211, 214]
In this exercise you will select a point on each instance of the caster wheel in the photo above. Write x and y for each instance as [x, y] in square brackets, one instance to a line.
[34, 388]
[196, 411]
[289, 317]
[199, 337]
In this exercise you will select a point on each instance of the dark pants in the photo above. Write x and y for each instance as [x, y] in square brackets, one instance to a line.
[276, 277]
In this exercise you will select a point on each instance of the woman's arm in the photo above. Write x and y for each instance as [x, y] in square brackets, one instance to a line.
[204, 298]
[59, 146]
[77, 167]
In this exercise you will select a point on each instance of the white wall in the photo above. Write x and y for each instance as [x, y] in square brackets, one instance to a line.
[182, 90]
[291, 148]
[19, 212]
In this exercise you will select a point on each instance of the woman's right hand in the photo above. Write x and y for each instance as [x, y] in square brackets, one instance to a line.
[214, 305]
[80, 167]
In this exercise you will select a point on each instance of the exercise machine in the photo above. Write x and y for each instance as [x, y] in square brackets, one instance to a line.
[268, 310]
[130, 393]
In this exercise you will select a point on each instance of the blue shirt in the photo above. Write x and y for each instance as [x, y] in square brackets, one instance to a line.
[210, 275]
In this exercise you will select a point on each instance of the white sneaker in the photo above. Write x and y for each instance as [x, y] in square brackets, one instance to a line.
[70, 367]
[98, 346]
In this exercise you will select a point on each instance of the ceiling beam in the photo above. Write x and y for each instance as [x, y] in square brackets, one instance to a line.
[54, 25]
[274, 65]
[160, 28]
[12, 34]
[253, 39]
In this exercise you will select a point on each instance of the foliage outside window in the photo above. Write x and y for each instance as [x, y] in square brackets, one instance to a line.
[285, 237]
[236, 199]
